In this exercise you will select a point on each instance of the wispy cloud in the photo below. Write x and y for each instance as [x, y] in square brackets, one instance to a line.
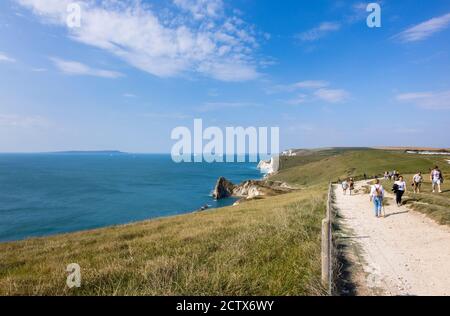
[6, 59]
[424, 30]
[80, 69]
[168, 116]
[202, 9]
[308, 84]
[213, 93]
[311, 84]
[311, 90]
[214, 106]
[297, 100]
[428, 100]
[39, 69]
[332, 95]
[358, 11]
[186, 36]
[318, 32]
[129, 95]
[20, 121]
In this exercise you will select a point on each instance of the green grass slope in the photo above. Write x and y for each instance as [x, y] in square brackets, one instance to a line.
[354, 163]
[264, 247]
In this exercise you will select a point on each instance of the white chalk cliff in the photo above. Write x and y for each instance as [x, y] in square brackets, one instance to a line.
[268, 166]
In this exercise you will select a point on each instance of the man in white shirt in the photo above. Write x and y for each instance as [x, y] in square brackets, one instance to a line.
[436, 179]
[377, 196]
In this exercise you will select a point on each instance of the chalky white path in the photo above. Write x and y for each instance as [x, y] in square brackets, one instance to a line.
[405, 253]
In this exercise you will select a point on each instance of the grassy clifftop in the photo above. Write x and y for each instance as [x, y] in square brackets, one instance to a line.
[263, 247]
[329, 165]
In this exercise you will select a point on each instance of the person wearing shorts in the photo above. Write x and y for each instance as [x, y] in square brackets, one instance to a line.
[436, 179]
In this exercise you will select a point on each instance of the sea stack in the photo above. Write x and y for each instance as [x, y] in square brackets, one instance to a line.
[223, 189]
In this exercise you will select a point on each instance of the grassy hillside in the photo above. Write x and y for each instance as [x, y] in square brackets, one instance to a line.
[262, 247]
[354, 163]
[265, 247]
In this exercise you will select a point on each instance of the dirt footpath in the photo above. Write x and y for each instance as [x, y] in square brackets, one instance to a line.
[403, 254]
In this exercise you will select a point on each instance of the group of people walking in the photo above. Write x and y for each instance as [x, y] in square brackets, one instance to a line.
[391, 175]
[348, 185]
[377, 192]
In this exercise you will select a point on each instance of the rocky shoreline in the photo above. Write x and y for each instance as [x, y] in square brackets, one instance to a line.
[249, 190]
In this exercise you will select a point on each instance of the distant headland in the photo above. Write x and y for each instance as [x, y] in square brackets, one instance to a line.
[90, 152]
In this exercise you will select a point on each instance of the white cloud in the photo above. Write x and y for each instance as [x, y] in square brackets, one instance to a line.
[38, 69]
[311, 91]
[299, 99]
[428, 100]
[129, 95]
[201, 8]
[5, 58]
[166, 43]
[13, 120]
[358, 11]
[214, 106]
[308, 84]
[168, 116]
[318, 32]
[332, 95]
[424, 30]
[77, 68]
[311, 84]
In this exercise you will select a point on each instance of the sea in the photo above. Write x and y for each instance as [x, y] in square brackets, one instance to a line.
[48, 194]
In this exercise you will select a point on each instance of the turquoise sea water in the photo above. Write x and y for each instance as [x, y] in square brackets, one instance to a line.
[45, 194]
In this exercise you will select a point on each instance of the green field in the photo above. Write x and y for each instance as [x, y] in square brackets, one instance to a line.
[263, 247]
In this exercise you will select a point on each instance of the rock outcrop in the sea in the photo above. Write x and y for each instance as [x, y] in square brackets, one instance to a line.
[223, 189]
[249, 189]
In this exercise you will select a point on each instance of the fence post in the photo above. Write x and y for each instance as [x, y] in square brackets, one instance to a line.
[327, 245]
[325, 253]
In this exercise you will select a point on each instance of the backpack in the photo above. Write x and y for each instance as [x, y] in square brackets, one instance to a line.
[378, 191]
[395, 188]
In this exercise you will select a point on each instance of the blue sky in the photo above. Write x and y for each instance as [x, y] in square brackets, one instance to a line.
[135, 70]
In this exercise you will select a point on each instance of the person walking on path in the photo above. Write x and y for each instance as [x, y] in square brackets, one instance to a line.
[400, 186]
[377, 196]
[344, 186]
[436, 179]
[417, 182]
[351, 185]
